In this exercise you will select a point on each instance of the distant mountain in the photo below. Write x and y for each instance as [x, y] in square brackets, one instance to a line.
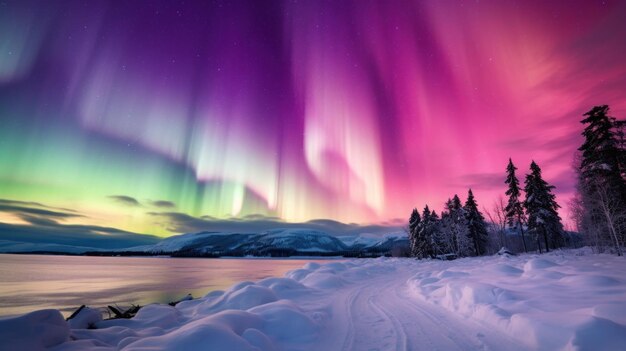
[370, 242]
[21, 247]
[71, 238]
[202, 242]
[300, 240]
[287, 241]
[275, 242]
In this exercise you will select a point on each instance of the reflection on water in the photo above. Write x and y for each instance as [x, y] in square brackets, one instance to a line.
[33, 282]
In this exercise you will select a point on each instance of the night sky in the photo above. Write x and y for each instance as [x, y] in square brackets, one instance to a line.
[126, 113]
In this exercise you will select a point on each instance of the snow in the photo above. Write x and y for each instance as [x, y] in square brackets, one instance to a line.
[176, 242]
[366, 240]
[86, 318]
[554, 301]
[565, 300]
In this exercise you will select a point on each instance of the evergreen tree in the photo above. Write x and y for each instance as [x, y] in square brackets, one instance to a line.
[431, 232]
[601, 151]
[476, 227]
[541, 207]
[602, 176]
[455, 229]
[414, 222]
[515, 216]
[423, 239]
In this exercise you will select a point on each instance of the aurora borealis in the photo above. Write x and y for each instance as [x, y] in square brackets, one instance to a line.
[355, 111]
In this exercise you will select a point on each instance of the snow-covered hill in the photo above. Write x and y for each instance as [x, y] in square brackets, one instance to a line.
[276, 241]
[301, 240]
[375, 242]
[202, 242]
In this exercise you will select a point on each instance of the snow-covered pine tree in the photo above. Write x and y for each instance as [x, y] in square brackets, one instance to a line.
[434, 231]
[602, 176]
[414, 222]
[464, 244]
[454, 228]
[424, 236]
[515, 216]
[601, 150]
[541, 208]
[445, 240]
[476, 227]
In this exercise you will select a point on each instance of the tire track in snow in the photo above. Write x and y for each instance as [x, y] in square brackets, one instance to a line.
[401, 336]
[349, 339]
[372, 328]
[381, 314]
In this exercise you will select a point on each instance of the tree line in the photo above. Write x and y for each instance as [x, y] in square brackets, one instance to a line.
[462, 231]
[598, 207]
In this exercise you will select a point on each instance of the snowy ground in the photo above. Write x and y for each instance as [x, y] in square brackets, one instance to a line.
[559, 301]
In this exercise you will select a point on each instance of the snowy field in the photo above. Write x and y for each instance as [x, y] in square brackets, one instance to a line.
[567, 300]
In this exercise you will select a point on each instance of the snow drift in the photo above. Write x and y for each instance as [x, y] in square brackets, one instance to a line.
[561, 301]
[554, 301]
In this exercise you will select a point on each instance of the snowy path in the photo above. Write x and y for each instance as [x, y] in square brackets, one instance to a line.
[560, 301]
[381, 314]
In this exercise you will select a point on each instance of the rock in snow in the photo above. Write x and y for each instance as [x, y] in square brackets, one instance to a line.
[557, 301]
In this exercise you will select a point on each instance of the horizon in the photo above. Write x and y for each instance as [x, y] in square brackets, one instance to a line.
[133, 118]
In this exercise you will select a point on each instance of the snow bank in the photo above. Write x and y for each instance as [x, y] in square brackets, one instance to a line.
[559, 301]
[553, 301]
[33, 331]
[248, 316]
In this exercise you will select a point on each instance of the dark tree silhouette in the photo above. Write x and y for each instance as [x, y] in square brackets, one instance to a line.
[515, 216]
[541, 208]
[602, 178]
[414, 222]
[476, 227]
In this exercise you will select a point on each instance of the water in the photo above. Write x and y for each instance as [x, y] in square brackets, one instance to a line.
[33, 282]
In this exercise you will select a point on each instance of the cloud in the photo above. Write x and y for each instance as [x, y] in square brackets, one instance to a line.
[259, 217]
[74, 235]
[163, 204]
[480, 181]
[564, 183]
[518, 143]
[125, 200]
[39, 221]
[36, 213]
[43, 228]
[32, 204]
[183, 223]
[23, 210]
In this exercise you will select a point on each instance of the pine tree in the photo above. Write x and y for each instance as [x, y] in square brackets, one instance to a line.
[431, 232]
[515, 216]
[541, 208]
[423, 238]
[602, 176]
[601, 149]
[414, 222]
[454, 228]
[476, 227]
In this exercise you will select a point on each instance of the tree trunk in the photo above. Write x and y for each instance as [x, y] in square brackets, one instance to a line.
[607, 202]
[475, 242]
[539, 244]
[521, 229]
[609, 221]
[545, 238]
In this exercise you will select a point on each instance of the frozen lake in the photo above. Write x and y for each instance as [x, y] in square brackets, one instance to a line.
[33, 282]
